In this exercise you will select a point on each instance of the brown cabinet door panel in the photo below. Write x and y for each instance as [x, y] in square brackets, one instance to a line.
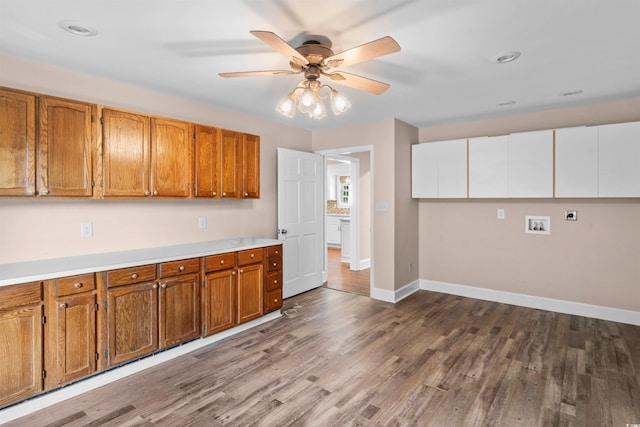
[64, 148]
[231, 163]
[251, 166]
[207, 162]
[21, 353]
[250, 286]
[273, 300]
[171, 158]
[76, 338]
[179, 309]
[220, 301]
[17, 144]
[125, 153]
[133, 321]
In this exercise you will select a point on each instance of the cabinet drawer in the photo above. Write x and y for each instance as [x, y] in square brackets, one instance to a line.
[274, 280]
[176, 268]
[22, 294]
[250, 256]
[220, 262]
[75, 284]
[128, 276]
[274, 250]
[273, 300]
[274, 263]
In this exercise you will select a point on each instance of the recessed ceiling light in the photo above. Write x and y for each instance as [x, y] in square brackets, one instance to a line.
[508, 57]
[78, 29]
[573, 92]
[506, 103]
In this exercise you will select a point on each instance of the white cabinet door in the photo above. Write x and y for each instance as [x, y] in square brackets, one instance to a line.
[424, 170]
[488, 160]
[577, 162]
[452, 169]
[345, 253]
[619, 160]
[531, 164]
[333, 230]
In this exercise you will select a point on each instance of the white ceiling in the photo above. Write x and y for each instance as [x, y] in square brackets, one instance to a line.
[445, 72]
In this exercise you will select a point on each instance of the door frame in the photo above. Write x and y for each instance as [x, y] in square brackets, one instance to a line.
[345, 151]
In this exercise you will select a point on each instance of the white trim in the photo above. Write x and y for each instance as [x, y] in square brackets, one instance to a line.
[397, 295]
[550, 304]
[37, 403]
[364, 264]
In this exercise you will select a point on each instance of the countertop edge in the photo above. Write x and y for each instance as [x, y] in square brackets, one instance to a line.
[31, 271]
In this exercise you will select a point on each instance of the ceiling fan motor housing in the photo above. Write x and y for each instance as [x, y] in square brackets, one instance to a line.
[315, 54]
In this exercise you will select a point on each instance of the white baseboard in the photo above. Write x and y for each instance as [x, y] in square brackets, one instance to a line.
[397, 295]
[550, 304]
[56, 396]
[364, 264]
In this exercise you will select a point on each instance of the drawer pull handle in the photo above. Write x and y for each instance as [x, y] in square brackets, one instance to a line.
[181, 268]
[63, 305]
[221, 261]
[134, 276]
[77, 285]
[155, 286]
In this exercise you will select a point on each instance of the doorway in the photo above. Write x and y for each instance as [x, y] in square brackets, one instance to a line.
[348, 207]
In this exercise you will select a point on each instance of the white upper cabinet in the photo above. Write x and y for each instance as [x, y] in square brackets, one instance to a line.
[530, 164]
[452, 169]
[488, 167]
[424, 171]
[439, 169]
[619, 160]
[577, 162]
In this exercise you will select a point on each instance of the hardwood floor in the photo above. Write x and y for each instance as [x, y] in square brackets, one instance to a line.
[341, 278]
[430, 360]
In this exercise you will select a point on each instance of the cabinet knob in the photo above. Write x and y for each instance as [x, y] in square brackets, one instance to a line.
[77, 285]
[221, 261]
[246, 194]
[275, 300]
[233, 273]
[155, 286]
[181, 268]
[215, 194]
[275, 282]
[253, 255]
[241, 271]
[30, 192]
[275, 264]
[134, 276]
[146, 193]
[44, 191]
[63, 305]
[164, 286]
[155, 192]
[224, 194]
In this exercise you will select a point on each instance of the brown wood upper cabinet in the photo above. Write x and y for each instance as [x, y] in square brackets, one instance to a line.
[17, 143]
[207, 162]
[251, 166]
[145, 156]
[65, 141]
[231, 164]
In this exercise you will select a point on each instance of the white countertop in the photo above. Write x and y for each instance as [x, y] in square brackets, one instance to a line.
[29, 271]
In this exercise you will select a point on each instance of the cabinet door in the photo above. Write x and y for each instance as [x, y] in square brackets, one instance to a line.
[75, 334]
[250, 287]
[488, 159]
[17, 144]
[231, 163]
[452, 169]
[619, 160]
[171, 158]
[133, 321]
[424, 170]
[333, 230]
[531, 164]
[220, 301]
[20, 353]
[179, 309]
[576, 162]
[207, 162]
[65, 148]
[125, 154]
[251, 166]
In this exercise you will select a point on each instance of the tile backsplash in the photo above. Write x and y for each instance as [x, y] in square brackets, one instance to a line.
[332, 208]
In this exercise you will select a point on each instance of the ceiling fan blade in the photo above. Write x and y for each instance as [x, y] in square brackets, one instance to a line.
[256, 73]
[365, 52]
[281, 46]
[357, 82]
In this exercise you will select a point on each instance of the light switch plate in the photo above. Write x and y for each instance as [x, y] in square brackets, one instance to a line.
[382, 206]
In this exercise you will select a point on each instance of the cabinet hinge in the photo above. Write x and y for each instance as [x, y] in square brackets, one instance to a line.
[93, 183]
[101, 120]
[44, 319]
[95, 307]
[93, 119]
[106, 354]
[106, 305]
[97, 356]
[101, 183]
[44, 374]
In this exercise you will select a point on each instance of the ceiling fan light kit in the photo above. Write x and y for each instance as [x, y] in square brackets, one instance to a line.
[314, 60]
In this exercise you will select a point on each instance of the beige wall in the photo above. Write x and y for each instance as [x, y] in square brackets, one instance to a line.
[406, 208]
[36, 229]
[595, 260]
[365, 203]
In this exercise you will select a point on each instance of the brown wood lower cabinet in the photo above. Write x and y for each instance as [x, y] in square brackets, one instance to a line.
[273, 279]
[250, 284]
[179, 309]
[219, 307]
[21, 338]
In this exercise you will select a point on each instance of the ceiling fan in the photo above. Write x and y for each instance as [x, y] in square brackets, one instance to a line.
[313, 60]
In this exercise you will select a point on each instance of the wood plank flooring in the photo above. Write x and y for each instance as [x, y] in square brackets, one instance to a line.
[341, 278]
[345, 360]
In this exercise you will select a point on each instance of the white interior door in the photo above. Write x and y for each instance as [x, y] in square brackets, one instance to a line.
[300, 219]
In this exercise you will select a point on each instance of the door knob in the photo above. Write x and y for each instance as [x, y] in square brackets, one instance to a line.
[283, 231]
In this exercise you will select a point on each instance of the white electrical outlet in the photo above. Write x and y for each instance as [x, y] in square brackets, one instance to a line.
[500, 213]
[202, 222]
[86, 229]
